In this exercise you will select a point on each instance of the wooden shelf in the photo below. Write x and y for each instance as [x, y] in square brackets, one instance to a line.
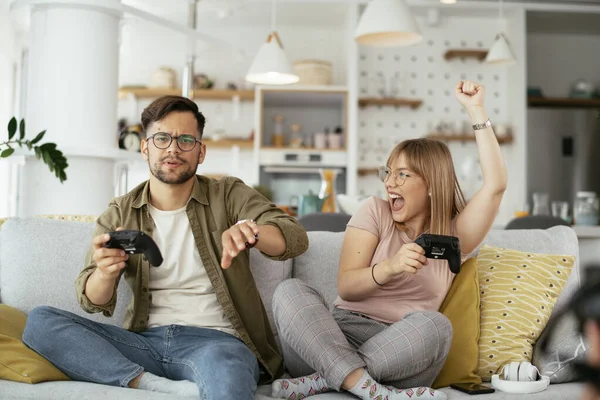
[208, 94]
[289, 148]
[562, 102]
[367, 171]
[227, 143]
[464, 138]
[465, 53]
[375, 101]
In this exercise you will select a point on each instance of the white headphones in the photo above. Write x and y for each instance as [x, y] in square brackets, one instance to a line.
[520, 377]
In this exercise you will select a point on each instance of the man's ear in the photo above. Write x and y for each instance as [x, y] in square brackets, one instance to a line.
[202, 154]
[144, 149]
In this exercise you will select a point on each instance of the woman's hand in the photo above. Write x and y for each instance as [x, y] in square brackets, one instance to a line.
[410, 258]
[470, 94]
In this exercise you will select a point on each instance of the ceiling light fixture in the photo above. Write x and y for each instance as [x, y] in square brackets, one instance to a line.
[500, 52]
[270, 65]
[387, 23]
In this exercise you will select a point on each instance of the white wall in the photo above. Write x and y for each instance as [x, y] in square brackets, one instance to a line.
[7, 87]
[145, 47]
[423, 73]
[557, 60]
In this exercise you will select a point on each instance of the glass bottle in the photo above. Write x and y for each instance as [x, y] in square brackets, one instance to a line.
[586, 208]
[278, 136]
[296, 136]
[541, 204]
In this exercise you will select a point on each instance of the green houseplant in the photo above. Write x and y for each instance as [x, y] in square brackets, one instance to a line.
[47, 152]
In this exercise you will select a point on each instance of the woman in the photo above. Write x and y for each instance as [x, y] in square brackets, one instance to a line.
[385, 326]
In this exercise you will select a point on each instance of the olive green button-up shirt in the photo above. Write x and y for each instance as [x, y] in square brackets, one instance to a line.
[214, 206]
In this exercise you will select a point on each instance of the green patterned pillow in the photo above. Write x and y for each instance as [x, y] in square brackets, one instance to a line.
[518, 291]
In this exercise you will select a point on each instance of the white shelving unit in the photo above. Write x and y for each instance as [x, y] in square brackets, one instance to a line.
[293, 171]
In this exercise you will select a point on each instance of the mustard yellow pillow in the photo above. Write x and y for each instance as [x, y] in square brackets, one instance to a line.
[518, 292]
[18, 362]
[461, 307]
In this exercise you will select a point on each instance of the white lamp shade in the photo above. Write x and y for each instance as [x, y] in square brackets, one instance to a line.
[387, 23]
[270, 65]
[500, 52]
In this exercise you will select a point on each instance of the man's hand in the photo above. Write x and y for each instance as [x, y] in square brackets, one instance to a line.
[236, 239]
[109, 262]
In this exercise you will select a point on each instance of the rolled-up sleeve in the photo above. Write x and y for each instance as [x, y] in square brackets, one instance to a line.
[107, 222]
[243, 202]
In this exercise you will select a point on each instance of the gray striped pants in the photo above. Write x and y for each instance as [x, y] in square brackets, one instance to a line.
[408, 353]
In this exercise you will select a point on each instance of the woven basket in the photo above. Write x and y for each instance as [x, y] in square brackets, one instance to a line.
[314, 72]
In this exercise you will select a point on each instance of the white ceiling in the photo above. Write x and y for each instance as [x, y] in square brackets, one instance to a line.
[248, 12]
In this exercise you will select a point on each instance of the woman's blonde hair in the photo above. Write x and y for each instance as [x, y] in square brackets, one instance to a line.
[431, 159]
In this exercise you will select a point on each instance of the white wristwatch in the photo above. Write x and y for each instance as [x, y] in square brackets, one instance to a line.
[486, 124]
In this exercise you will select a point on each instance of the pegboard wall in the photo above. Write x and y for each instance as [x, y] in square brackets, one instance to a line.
[421, 72]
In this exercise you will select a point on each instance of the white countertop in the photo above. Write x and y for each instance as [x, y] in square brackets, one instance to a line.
[587, 231]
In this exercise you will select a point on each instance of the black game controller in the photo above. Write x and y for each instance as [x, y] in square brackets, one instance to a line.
[441, 247]
[135, 242]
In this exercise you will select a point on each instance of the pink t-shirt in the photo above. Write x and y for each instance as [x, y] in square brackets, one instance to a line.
[406, 292]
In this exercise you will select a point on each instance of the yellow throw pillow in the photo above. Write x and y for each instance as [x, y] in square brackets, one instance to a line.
[518, 292]
[461, 307]
[18, 362]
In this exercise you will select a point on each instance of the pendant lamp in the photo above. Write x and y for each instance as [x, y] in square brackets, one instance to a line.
[387, 23]
[270, 65]
[500, 52]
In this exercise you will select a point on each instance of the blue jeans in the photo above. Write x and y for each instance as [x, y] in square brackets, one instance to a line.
[221, 365]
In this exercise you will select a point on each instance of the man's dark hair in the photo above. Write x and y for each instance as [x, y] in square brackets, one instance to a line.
[162, 106]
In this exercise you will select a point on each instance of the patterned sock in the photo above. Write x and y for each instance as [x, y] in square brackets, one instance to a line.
[164, 385]
[299, 388]
[368, 389]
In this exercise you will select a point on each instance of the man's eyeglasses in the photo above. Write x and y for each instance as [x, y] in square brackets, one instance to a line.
[398, 175]
[163, 140]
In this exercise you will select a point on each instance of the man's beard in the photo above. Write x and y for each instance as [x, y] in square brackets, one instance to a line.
[171, 179]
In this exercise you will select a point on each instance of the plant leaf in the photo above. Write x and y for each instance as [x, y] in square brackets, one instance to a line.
[6, 153]
[38, 137]
[22, 129]
[12, 128]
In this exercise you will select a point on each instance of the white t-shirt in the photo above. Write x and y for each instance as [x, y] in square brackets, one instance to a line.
[181, 292]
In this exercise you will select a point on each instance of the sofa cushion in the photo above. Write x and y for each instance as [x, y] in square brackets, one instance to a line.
[566, 347]
[461, 307]
[555, 240]
[18, 362]
[268, 274]
[518, 293]
[40, 259]
[318, 266]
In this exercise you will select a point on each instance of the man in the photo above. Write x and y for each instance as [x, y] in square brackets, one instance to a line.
[198, 316]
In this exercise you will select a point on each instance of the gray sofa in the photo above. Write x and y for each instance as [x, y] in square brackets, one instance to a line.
[40, 258]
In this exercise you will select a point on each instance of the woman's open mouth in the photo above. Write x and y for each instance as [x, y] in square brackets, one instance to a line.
[396, 201]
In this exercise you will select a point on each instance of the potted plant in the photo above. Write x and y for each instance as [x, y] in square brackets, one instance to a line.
[47, 152]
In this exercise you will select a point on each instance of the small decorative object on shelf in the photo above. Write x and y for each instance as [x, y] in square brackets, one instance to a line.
[296, 139]
[163, 78]
[335, 138]
[202, 81]
[130, 138]
[313, 72]
[327, 191]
